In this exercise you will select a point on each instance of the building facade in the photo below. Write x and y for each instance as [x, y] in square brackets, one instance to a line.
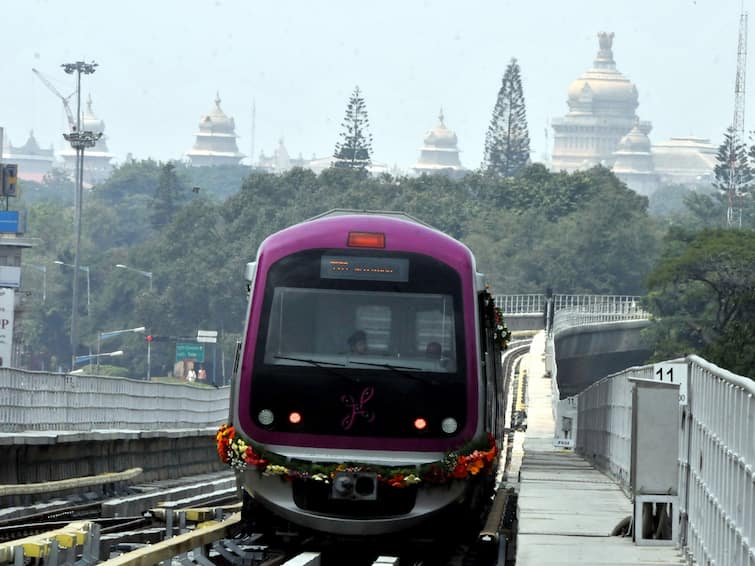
[215, 142]
[439, 155]
[33, 161]
[602, 128]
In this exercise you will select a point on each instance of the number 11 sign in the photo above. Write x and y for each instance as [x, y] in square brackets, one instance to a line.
[673, 372]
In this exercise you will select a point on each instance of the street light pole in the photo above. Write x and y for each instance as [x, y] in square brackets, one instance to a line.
[110, 334]
[78, 140]
[84, 268]
[147, 274]
[43, 269]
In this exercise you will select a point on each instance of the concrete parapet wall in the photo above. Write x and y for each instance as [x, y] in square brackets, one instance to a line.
[584, 354]
[56, 402]
[162, 455]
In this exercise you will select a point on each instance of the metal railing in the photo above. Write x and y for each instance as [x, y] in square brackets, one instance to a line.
[54, 402]
[520, 304]
[716, 455]
[604, 429]
[574, 311]
[717, 467]
[595, 304]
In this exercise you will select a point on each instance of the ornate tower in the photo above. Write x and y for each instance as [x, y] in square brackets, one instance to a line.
[440, 153]
[216, 140]
[97, 159]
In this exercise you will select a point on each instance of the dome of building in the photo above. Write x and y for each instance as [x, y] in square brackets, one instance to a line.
[217, 120]
[636, 141]
[440, 136]
[215, 143]
[90, 122]
[440, 153]
[602, 88]
[602, 110]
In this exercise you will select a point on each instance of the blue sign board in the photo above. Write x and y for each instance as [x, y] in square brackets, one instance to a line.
[9, 222]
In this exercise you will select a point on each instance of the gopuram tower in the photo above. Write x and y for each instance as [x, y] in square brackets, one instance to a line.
[216, 140]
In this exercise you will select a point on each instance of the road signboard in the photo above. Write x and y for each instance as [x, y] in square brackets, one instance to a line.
[207, 336]
[189, 351]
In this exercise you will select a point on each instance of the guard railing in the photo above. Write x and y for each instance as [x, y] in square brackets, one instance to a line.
[31, 400]
[716, 454]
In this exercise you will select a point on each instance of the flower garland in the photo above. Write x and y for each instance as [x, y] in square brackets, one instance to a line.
[494, 316]
[470, 460]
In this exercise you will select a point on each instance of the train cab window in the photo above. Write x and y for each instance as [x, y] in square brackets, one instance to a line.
[309, 326]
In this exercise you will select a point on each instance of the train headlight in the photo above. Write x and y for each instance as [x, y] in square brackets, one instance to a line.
[266, 417]
[449, 425]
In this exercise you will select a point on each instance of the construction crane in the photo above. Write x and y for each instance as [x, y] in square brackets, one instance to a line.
[64, 99]
[734, 211]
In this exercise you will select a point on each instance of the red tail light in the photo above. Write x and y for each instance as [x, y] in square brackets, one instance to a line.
[366, 240]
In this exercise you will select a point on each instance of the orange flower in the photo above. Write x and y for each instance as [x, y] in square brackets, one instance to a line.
[474, 467]
[224, 437]
[396, 481]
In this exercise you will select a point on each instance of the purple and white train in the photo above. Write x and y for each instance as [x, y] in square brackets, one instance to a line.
[367, 371]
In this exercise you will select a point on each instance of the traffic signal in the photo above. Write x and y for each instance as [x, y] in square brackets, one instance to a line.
[10, 179]
[153, 338]
[149, 338]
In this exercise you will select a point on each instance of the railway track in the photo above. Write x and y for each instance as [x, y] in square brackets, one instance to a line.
[204, 529]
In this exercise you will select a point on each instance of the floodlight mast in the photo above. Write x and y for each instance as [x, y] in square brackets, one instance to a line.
[78, 140]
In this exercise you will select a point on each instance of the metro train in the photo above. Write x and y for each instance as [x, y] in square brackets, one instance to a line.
[368, 394]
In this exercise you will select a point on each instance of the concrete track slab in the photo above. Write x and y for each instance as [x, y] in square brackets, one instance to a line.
[566, 507]
[550, 550]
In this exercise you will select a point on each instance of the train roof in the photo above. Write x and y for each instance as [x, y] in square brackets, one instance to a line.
[351, 212]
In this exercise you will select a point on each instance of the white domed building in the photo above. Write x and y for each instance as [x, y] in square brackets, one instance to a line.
[216, 140]
[602, 128]
[602, 104]
[97, 166]
[633, 162]
[440, 153]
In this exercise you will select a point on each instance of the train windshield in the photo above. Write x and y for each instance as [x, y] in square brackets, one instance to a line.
[382, 330]
[389, 312]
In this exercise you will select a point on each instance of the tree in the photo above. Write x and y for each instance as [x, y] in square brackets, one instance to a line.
[732, 172]
[355, 147]
[167, 195]
[703, 295]
[507, 143]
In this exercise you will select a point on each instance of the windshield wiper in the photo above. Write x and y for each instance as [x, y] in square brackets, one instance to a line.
[318, 363]
[327, 366]
[401, 370]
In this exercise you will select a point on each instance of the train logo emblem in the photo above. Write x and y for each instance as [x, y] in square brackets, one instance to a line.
[357, 408]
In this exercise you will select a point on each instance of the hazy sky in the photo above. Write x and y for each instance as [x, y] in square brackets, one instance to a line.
[161, 62]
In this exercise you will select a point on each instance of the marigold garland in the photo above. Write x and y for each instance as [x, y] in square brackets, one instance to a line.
[470, 460]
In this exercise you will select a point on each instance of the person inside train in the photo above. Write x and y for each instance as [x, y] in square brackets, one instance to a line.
[358, 343]
[433, 351]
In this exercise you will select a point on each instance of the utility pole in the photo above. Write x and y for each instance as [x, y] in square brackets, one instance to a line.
[734, 210]
[254, 119]
[79, 141]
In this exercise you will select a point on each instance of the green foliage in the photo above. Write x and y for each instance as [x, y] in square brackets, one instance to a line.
[703, 294]
[732, 170]
[584, 232]
[355, 148]
[507, 143]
